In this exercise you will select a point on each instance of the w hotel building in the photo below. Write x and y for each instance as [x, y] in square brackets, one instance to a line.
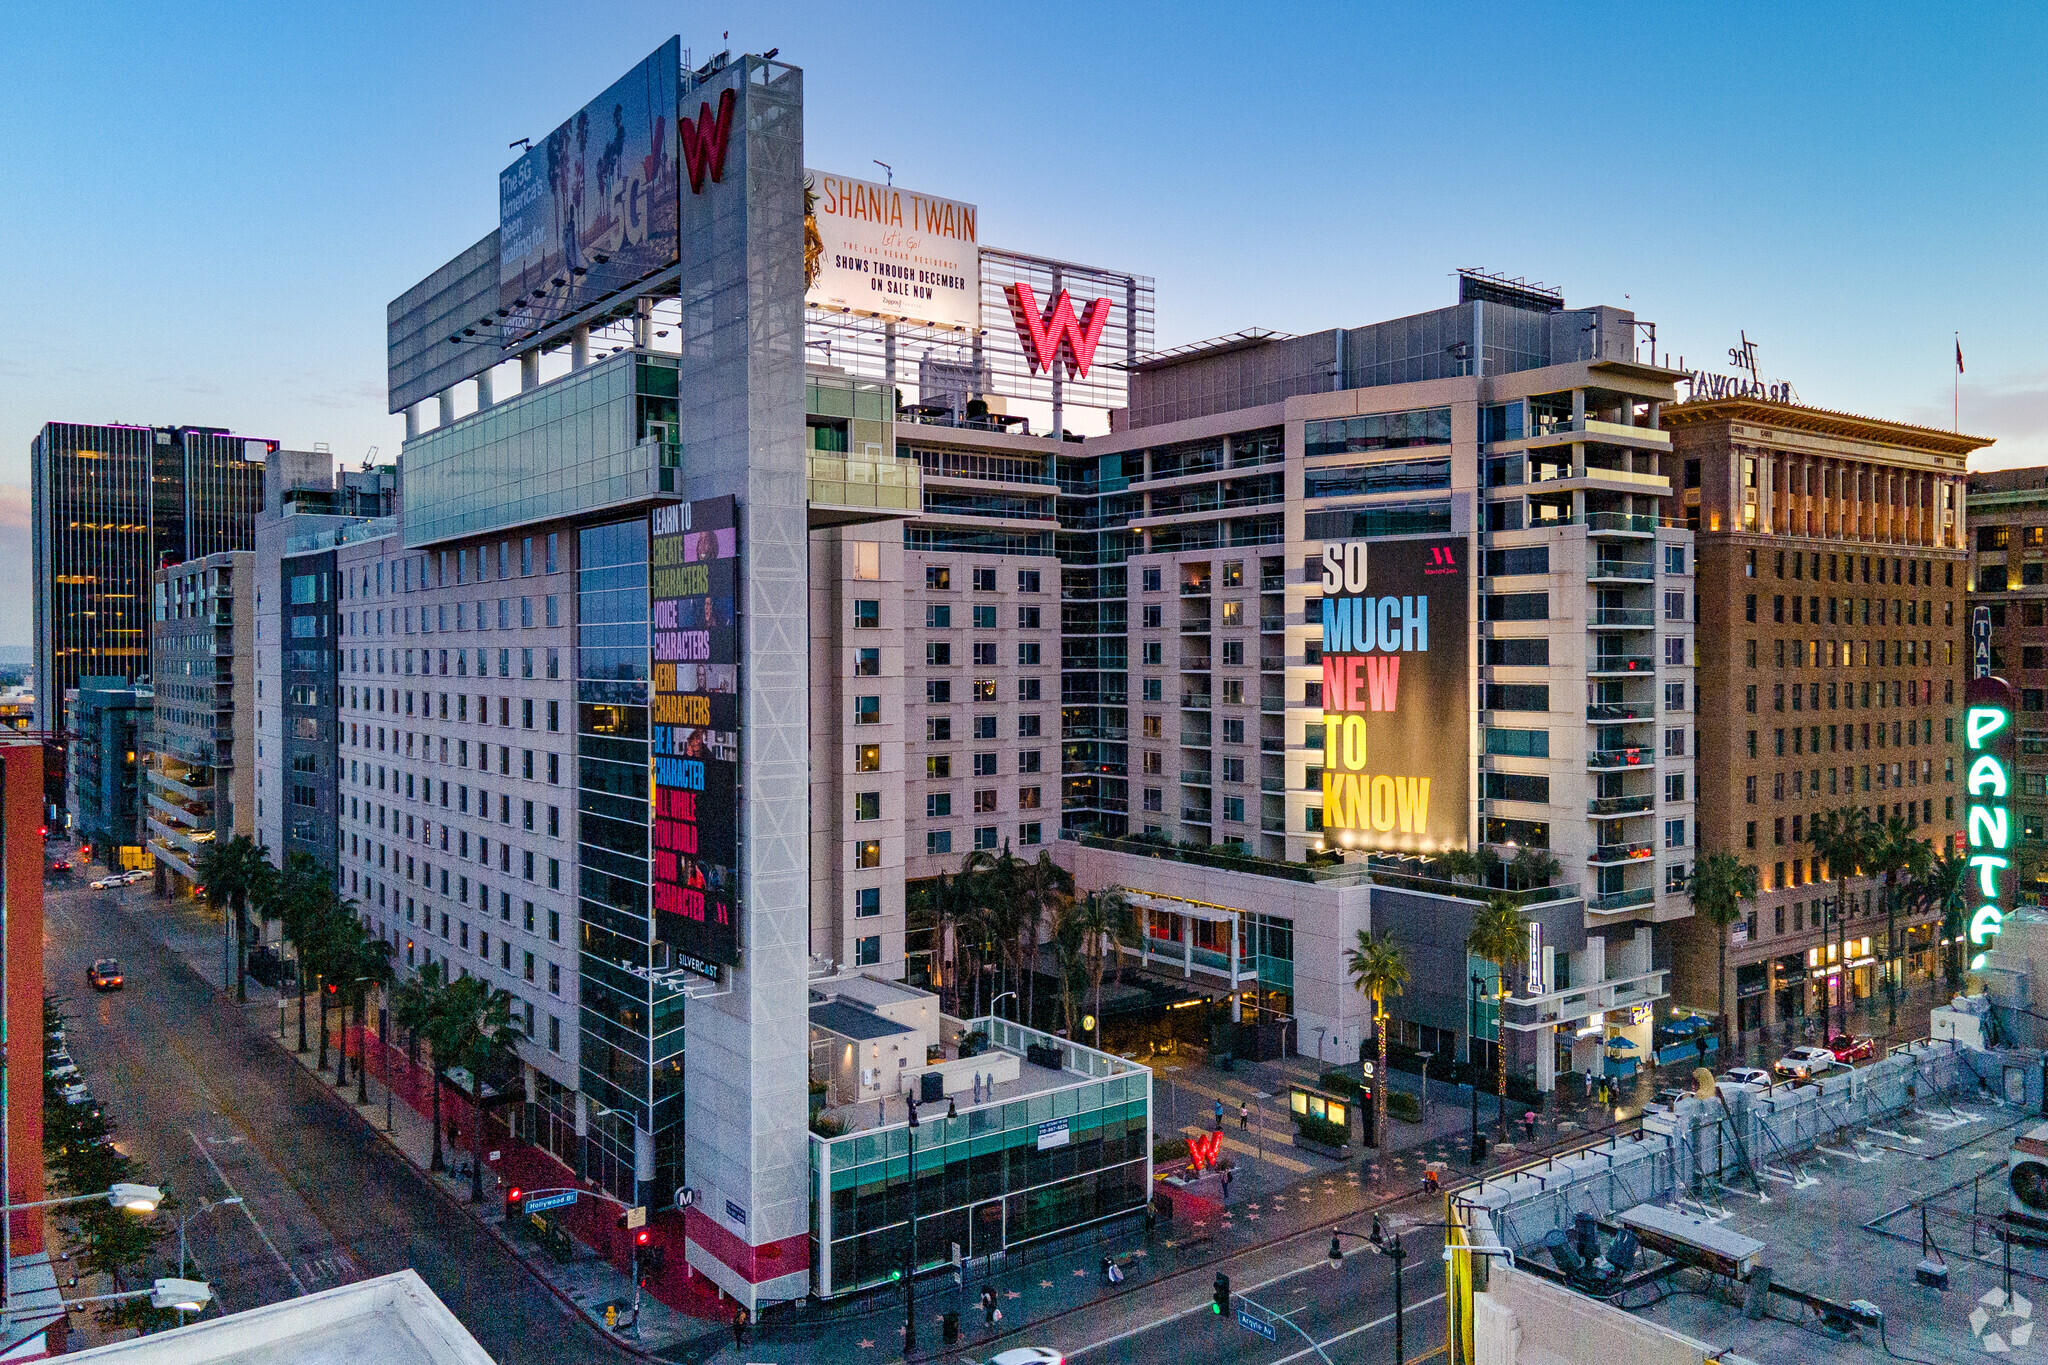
[1833, 572]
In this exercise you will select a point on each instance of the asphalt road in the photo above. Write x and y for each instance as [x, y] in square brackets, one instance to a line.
[212, 1109]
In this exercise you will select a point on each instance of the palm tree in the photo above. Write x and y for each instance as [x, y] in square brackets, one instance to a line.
[1472, 866]
[475, 1026]
[1720, 885]
[1069, 944]
[234, 874]
[1501, 936]
[418, 1007]
[1044, 885]
[1895, 854]
[1378, 969]
[1943, 887]
[1107, 921]
[1533, 867]
[955, 905]
[298, 897]
[361, 962]
[1842, 838]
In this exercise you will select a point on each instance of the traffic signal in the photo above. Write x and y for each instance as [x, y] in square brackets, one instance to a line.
[1220, 1305]
[514, 1198]
[642, 1237]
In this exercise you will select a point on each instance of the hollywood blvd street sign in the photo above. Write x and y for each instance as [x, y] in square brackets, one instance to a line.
[550, 1201]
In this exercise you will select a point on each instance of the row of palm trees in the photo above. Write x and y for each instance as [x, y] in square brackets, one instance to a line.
[1379, 968]
[464, 1021]
[994, 915]
[1850, 844]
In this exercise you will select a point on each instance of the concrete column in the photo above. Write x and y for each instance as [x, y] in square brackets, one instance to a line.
[579, 348]
[529, 371]
[1546, 1060]
[483, 391]
[1578, 405]
[1236, 1002]
[1187, 948]
[412, 420]
[643, 1164]
[889, 365]
[643, 322]
[1656, 415]
[447, 402]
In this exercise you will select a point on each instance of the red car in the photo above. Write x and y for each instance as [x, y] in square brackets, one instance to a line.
[1848, 1049]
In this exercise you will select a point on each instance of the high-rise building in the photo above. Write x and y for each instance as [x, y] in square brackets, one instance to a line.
[201, 766]
[106, 733]
[1832, 578]
[109, 505]
[2008, 539]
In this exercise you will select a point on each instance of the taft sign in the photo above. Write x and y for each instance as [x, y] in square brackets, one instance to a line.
[1988, 750]
[1396, 694]
[1056, 336]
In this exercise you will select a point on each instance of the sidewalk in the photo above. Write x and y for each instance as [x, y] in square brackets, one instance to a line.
[587, 1283]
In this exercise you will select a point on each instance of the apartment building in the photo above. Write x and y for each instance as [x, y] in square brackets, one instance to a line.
[201, 766]
[1833, 581]
[2008, 540]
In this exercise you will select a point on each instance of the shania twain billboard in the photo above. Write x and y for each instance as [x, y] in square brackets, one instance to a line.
[1396, 694]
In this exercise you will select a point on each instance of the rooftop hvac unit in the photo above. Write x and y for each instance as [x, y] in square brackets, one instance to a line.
[2026, 1177]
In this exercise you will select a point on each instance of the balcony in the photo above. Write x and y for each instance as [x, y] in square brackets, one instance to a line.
[1635, 618]
[1622, 570]
[1621, 663]
[1195, 588]
[1608, 855]
[1588, 429]
[1194, 701]
[1272, 744]
[1613, 760]
[1273, 706]
[1194, 777]
[1196, 626]
[1273, 824]
[1273, 786]
[1194, 663]
[1622, 900]
[1621, 805]
[1274, 622]
[1272, 663]
[1624, 711]
[1273, 582]
[1189, 815]
[844, 490]
[1621, 523]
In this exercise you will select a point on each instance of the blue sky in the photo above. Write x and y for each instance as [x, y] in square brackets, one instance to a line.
[209, 205]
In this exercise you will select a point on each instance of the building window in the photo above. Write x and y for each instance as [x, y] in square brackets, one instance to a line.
[867, 663]
[938, 578]
[1233, 809]
[937, 692]
[938, 841]
[867, 710]
[867, 902]
[1674, 743]
[867, 952]
[938, 617]
[867, 805]
[984, 801]
[938, 805]
[938, 654]
[1674, 834]
[867, 758]
[867, 853]
[1028, 835]
[867, 615]
[1027, 580]
[984, 837]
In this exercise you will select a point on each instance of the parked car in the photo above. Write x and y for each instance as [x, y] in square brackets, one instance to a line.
[104, 975]
[1851, 1049]
[103, 883]
[1748, 1075]
[63, 1072]
[133, 877]
[1028, 1355]
[1670, 1095]
[76, 1093]
[1803, 1063]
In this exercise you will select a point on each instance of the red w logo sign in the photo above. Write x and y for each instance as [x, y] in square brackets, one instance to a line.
[704, 141]
[1202, 1149]
[1057, 336]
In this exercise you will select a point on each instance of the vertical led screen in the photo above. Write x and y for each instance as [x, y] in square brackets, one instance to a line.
[694, 731]
[1396, 694]
[592, 207]
[1988, 750]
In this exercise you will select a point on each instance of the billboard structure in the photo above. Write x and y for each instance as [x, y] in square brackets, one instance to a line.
[694, 730]
[592, 207]
[1396, 694]
[894, 254]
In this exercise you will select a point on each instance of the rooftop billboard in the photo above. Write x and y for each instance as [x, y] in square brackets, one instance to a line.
[1397, 698]
[591, 208]
[898, 254]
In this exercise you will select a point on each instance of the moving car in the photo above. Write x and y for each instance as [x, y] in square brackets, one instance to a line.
[104, 975]
[134, 877]
[1028, 1355]
[1748, 1075]
[1851, 1049]
[1802, 1063]
[102, 883]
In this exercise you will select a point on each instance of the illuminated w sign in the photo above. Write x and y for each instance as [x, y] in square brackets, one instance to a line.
[1203, 1149]
[704, 141]
[1057, 336]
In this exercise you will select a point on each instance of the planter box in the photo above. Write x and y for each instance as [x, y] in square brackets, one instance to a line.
[1322, 1148]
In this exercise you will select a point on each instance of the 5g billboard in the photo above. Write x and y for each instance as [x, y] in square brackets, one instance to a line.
[1396, 694]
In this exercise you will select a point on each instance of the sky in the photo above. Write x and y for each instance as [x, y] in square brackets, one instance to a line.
[209, 205]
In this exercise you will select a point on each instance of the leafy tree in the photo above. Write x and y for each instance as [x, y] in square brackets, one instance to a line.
[473, 1029]
[1532, 867]
[1843, 838]
[300, 897]
[1069, 945]
[1896, 856]
[1501, 936]
[1720, 885]
[234, 874]
[1379, 968]
[1471, 866]
[1943, 886]
[1107, 922]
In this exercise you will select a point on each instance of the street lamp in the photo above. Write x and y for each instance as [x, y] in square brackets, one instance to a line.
[205, 1206]
[187, 1296]
[1472, 1046]
[995, 1005]
[1382, 1245]
[139, 1199]
[910, 1271]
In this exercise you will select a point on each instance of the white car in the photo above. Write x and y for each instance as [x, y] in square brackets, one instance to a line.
[77, 1093]
[1803, 1063]
[105, 882]
[63, 1072]
[1029, 1355]
[134, 877]
[1748, 1076]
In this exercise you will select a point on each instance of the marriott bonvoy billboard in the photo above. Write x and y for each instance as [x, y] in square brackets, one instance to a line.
[1396, 694]
[894, 253]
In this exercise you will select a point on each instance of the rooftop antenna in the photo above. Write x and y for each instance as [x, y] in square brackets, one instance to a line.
[524, 142]
[889, 171]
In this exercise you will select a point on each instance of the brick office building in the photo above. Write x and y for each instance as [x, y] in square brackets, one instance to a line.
[2008, 524]
[1832, 579]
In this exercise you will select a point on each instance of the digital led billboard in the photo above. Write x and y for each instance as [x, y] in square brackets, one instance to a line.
[592, 207]
[1396, 694]
[694, 730]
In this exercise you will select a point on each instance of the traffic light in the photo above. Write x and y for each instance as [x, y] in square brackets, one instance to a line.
[1220, 1304]
[514, 1199]
[642, 1237]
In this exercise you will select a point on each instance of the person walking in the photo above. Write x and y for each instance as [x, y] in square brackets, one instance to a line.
[988, 1308]
[1219, 1116]
[739, 1327]
[1244, 1115]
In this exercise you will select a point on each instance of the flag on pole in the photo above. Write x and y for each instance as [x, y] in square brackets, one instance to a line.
[1959, 355]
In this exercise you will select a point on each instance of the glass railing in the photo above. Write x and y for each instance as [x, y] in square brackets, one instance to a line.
[1272, 706]
[1194, 777]
[1196, 627]
[1621, 853]
[1194, 701]
[1270, 624]
[1623, 663]
[1622, 616]
[1624, 568]
[1620, 805]
[1643, 757]
[842, 481]
[1621, 521]
[1624, 900]
[1189, 815]
[1621, 711]
[1272, 744]
[1272, 663]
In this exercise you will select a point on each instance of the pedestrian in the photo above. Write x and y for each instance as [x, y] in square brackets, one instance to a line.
[1229, 1174]
[739, 1327]
[1244, 1115]
[1219, 1116]
[988, 1308]
[1529, 1125]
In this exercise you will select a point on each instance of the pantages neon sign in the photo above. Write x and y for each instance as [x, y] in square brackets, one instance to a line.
[1988, 750]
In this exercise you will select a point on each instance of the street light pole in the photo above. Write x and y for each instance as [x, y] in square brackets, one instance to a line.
[205, 1205]
[1400, 1335]
[383, 1029]
[910, 1271]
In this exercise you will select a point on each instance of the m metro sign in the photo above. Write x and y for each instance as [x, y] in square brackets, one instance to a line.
[1056, 336]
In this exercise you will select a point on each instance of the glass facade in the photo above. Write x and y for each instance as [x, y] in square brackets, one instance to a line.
[601, 436]
[632, 1027]
[309, 659]
[994, 1178]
